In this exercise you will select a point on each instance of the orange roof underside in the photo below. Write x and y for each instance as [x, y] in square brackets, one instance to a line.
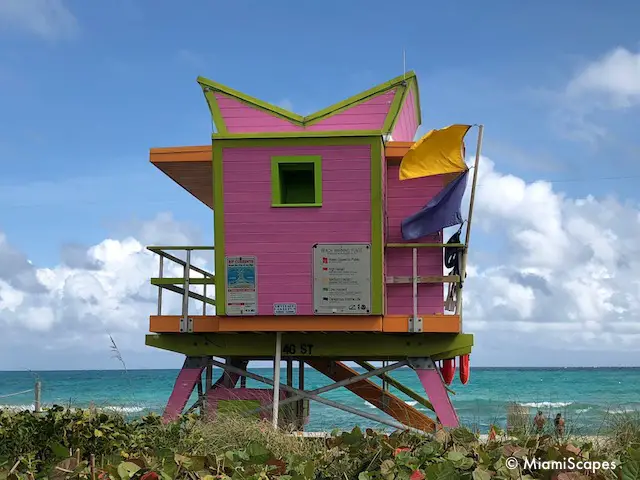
[191, 167]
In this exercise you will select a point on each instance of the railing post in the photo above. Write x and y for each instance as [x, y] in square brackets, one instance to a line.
[204, 294]
[184, 321]
[160, 273]
[38, 393]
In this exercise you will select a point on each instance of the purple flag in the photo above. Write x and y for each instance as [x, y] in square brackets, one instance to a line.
[441, 212]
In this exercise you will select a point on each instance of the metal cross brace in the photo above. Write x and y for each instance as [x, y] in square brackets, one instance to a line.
[331, 403]
[333, 386]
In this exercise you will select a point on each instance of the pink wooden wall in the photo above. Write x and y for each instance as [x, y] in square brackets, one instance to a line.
[403, 199]
[242, 118]
[282, 238]
[407, 123]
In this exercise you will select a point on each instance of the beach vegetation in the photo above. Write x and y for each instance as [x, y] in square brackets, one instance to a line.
[62, 443]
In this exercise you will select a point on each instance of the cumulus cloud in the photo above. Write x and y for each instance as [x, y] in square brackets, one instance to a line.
[94, 292]
[612, 81]
[564, 275]
[569, 269]
[48, 19]
[607, 84]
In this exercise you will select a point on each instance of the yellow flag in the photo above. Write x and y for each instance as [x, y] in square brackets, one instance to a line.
[439, 151]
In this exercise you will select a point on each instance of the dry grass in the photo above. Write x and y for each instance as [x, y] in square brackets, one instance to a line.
[234, 432]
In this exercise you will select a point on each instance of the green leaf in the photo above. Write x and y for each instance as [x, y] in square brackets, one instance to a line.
[633, 453]
[463, 435]
[59, 450]
[481, 474]
[309, 470]
[465, 464]
[441, 471]
[192, 463]
[126, 470]
[455, 456]
[630, 470]
[427, 451]
[257, 453]
[387, 469]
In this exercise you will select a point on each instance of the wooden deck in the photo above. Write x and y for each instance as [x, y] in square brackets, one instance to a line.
[299, 323]
[192, 169]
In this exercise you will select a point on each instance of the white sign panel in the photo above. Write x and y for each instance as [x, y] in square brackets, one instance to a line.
[241, 284]
[285, 308]
[342, 279]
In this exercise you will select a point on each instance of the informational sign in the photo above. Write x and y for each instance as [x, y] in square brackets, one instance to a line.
[241, 278]
[342, 279]
[285, 308]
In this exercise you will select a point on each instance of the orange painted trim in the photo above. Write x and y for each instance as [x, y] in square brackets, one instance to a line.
[430, 323]
[302, 323]
[201, 153]
[394, 151]
[171, 323]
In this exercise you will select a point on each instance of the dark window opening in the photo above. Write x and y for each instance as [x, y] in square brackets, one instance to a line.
[297, 183]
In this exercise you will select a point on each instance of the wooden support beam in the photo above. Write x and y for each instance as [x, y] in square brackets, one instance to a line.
[372, 393]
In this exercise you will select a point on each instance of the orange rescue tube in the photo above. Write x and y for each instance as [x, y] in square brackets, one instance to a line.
[464, 369]
[448, 370]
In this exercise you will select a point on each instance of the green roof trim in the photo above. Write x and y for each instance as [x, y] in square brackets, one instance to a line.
[403, 83]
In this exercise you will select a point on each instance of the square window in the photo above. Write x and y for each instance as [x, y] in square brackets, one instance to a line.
[296, 181]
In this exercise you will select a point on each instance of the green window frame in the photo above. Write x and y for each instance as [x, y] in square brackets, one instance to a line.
[296, 181]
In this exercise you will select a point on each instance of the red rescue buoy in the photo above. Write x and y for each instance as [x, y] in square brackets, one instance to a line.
[448, 370]
[464, 369]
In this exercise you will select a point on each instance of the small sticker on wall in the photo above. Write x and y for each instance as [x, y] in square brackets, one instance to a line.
[285, 308]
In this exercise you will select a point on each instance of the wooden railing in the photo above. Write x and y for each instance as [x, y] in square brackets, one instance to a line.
[181, 285]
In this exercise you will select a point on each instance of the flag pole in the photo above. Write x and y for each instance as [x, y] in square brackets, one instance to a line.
[463, 269]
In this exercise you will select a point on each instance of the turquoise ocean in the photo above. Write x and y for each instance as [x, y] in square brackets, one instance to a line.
[588, 397]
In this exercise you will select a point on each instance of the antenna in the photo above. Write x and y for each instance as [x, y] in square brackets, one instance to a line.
[404, 64]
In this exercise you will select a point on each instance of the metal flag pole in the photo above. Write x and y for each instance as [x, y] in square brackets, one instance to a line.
[463, 267]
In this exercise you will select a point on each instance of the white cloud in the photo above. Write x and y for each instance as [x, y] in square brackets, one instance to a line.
[569, 270]
[105, 291]
[49, 19]
[567, 278]
[609, 83]
[612, 81]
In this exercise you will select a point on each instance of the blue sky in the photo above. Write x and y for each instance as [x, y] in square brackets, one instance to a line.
[89, 87]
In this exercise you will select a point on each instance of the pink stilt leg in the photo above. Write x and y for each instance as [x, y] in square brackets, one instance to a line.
[187, 380]
[433, 385]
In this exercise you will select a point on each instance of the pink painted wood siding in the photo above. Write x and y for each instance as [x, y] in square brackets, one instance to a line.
[369, 115]
[282, 238]
[407, 123]
[242, 118]
[403, 199]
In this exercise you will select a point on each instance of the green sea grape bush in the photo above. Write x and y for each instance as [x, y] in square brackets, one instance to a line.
[60, 444]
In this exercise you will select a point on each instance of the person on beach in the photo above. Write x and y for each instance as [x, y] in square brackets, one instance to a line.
[539, 420]
[559, 421]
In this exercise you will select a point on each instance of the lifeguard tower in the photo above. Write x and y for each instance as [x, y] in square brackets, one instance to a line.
[310, 262]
